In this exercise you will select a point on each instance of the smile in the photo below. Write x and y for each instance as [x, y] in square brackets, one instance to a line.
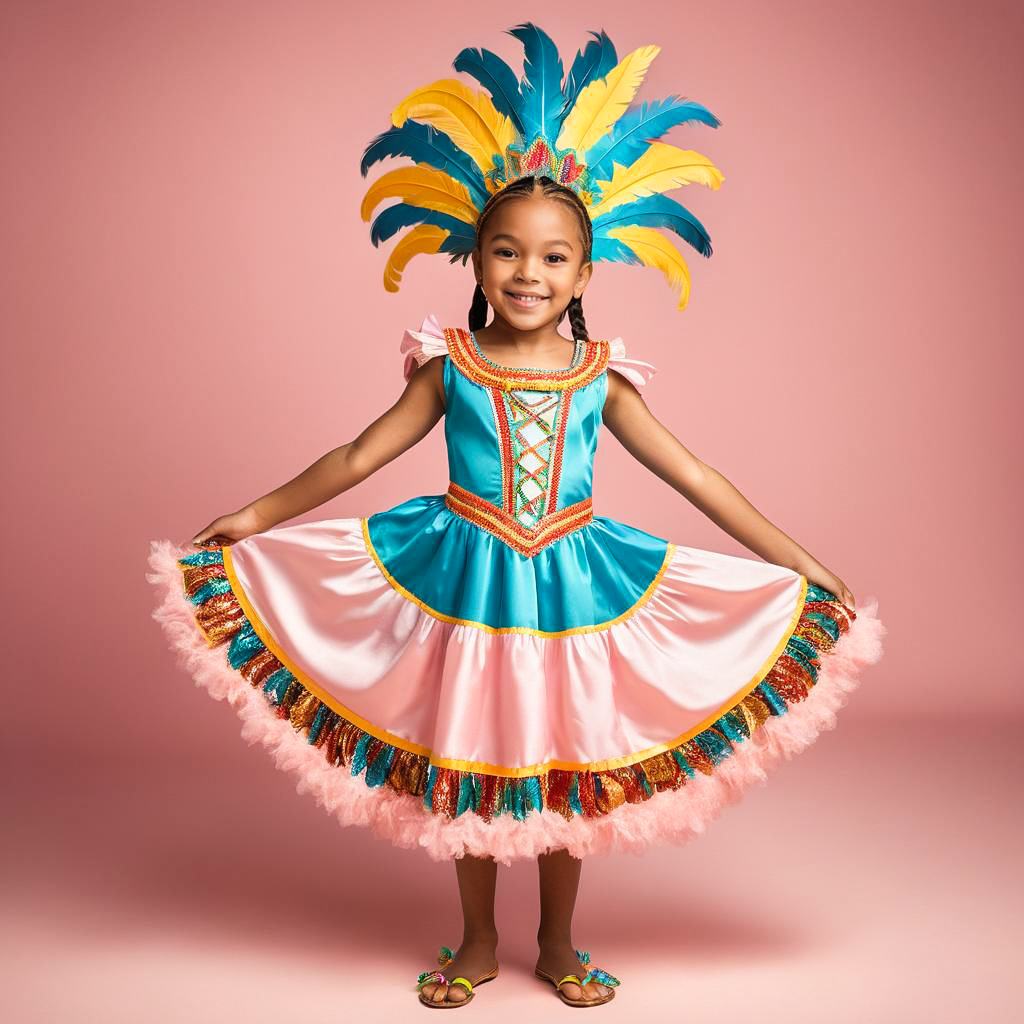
[526, 300]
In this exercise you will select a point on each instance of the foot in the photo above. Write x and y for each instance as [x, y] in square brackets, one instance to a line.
[473, 958]
[558, 958]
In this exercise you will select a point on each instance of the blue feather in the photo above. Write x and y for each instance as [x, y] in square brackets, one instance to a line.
[656, 211]
[590, 64]
[631, 135]
[424, 144]
[612, 250]
[497, 78]
[541, 87]
[402, 215]
[460, 242]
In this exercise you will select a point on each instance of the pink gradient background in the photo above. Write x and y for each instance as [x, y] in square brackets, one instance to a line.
[193, 313]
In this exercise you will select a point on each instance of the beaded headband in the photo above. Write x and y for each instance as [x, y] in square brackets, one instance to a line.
[581, 132]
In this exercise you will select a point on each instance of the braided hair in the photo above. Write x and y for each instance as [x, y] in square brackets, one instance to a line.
[551, 190]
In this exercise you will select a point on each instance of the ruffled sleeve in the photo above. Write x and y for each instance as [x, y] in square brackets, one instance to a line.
[419, 346]
[637, 372]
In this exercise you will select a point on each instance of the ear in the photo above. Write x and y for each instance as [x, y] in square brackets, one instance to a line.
[583, 279]
[478, 273]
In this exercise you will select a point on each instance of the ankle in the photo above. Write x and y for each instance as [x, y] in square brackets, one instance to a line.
[554, 940]
[480, 936]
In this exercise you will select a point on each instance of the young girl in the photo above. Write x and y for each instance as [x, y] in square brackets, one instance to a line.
[497, 672]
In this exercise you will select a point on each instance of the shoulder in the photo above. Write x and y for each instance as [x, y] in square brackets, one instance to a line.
[419, 347]
[636, 371]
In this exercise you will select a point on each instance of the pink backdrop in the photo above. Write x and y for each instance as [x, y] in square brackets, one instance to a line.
[193, 312]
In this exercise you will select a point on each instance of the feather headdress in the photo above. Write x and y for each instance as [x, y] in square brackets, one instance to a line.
[580, 131]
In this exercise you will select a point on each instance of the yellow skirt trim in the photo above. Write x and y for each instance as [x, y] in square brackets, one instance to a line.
[483, 767]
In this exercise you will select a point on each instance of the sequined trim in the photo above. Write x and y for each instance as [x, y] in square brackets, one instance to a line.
[526, 540]
[821, 619]
[471, 364]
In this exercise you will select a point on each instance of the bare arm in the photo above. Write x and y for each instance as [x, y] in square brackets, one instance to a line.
[653, 445]
[408, 421]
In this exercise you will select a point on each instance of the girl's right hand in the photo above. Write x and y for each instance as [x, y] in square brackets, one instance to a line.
[226, 530]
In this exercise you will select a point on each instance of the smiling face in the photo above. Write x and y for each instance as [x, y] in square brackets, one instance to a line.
[530, 261]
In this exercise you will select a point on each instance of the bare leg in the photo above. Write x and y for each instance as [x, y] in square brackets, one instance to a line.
[559, 874]
[477, 877]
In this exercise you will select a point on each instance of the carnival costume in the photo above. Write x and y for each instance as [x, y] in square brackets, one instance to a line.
[498, 669]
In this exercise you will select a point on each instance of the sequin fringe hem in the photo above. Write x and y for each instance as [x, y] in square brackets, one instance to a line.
[448, 812]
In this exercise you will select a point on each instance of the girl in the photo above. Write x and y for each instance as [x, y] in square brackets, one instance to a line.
[498, 672]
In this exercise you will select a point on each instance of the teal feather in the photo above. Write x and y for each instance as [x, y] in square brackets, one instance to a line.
[207, 556]
[590, 64]
[424, 144]
[541, 88]
[460, 242]
[245, 644]
[655, 211]
[631, 136]
[497, 78]
[403, 215]
[612, 250]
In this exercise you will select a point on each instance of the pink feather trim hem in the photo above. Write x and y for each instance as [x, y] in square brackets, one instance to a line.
[669, 817]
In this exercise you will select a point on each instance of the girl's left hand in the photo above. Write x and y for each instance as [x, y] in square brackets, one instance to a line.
[832, 583]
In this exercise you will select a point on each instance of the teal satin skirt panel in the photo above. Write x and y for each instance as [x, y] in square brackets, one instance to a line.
[451, 566]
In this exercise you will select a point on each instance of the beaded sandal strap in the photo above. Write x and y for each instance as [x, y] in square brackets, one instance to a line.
[428, 976]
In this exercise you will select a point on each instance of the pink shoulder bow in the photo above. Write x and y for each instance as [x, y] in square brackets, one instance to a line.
[419, 346]
[637, 372]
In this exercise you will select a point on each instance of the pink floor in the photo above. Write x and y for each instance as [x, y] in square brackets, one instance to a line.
[876, 878]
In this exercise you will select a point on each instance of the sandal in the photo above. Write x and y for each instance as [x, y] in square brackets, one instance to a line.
[446, 956]
[593, 974]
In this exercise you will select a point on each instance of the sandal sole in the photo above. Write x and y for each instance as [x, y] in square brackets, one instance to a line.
[445, 1005]
[574, 1002]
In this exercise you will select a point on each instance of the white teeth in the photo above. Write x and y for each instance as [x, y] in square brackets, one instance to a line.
[527, 298]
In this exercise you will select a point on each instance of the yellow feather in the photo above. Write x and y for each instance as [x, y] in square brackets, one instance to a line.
[655, 250]
[659, 168]
[604, 101]
[468, 118]
[424, 238]
[423, 186]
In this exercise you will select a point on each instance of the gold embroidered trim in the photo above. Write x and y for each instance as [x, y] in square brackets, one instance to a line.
[527, 540]
[471, 363]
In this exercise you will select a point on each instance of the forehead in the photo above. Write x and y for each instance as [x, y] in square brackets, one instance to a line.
[533, 220]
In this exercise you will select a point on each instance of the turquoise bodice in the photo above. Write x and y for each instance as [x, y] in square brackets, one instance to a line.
[518, 510]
